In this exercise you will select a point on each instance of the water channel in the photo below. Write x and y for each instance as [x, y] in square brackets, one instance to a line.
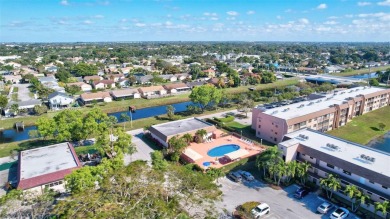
[364, 76]
[11, 135]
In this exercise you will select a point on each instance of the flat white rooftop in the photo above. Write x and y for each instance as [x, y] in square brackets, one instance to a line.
[45, 160]
[310, 106]
[181, 126]
[342, 149]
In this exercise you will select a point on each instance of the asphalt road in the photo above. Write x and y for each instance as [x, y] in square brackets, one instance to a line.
[281, 202]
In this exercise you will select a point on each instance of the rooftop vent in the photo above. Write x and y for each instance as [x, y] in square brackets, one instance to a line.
[274, 112]
[332, 146]
[319, 101]
[300, 106]
[311, 103]
[367, 158]
[287, 109]
[305, 137]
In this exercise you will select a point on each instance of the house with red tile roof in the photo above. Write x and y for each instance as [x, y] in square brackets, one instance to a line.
[46, 167]
[87, 98]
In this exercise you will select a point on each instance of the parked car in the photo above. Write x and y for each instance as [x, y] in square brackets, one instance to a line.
[325, 207]
[301, 192]
[339, 213]
[247, 176]
[260, 210]
[235, 176]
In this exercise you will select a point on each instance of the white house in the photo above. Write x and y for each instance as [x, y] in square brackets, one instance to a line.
[153, 91]
[59, 100]
[83, 86]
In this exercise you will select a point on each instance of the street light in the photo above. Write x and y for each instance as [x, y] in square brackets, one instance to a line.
[261, 141]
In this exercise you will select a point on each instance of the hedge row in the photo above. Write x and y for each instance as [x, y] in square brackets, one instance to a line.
[226, 119]
[220, 124]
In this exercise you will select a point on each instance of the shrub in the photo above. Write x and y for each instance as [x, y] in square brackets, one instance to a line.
[244, 210]
[227, 119]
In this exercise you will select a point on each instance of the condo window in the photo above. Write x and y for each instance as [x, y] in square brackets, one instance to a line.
[346, 172]
[371, 181]
[344, 182]
[290, 126]
[381, 198]
[370, 193]
[309, 120]
[384, 187]
[259, 126]
[330, 166]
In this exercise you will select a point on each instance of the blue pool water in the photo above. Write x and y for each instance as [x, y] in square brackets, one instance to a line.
[222, 150]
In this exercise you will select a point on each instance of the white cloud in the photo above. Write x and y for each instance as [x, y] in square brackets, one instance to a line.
[214, 18]
[250, 12]
[140, 24]
[333, 17]
[168, 23]
[87, 22]
[99, 16]
[288, 10]
[104, 3]
[209, 14]
[123, 20]
[384, 3]
[304, 21]
[331, 22]
[322, 6]
[232, 13]
[349, 15]
[279, 17]
[64, 2]
[362, 4]
[231, 18]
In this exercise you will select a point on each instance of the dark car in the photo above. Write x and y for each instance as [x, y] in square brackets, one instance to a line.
[235, 176]
[301, 192]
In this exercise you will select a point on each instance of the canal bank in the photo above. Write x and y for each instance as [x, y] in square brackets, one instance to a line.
[12, 135]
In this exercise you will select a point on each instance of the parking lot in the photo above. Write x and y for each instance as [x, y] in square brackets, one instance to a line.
[281, 202]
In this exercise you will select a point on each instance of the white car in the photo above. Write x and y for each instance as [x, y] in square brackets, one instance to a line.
[261, 210]
[339, 213]
[324, 207]
[247, 175]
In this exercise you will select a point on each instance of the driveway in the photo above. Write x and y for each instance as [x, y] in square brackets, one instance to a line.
[143, 149]
[23, 92]
[281, 202]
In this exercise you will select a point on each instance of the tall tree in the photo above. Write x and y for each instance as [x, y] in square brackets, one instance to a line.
[330, 184]
[170, 112]
[3, 103]
[46, 127]
[124, 118]
[205, 95]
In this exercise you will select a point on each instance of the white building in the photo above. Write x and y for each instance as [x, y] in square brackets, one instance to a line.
[46, 167]
[353, 164]
[59, 100]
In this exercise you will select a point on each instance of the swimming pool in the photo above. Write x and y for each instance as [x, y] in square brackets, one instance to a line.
[222, 150]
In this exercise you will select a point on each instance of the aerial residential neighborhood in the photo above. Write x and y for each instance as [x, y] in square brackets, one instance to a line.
[195, 109]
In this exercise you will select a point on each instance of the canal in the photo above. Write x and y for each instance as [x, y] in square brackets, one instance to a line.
[364, 76]
[11, 135]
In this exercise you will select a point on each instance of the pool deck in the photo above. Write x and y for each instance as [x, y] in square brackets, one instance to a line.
[203, 148]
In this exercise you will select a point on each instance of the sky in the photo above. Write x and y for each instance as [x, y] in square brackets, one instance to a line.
[194, 20]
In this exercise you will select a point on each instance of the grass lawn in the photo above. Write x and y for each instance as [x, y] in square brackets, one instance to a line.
[364, 128]
[85, 149]
[361, 71]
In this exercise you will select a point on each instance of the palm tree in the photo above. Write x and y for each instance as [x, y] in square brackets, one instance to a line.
[302, 169]
[124, 117]
[281, 170]
[15, 108]
[269, 157]
[291, 171]
[330, 184]
[382, 207]
[188, 138]
[201, 133]
[353, 193]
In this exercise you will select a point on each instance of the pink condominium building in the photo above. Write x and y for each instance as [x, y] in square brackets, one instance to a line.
[323, 112]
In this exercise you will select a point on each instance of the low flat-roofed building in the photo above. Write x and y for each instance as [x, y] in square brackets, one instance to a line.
[326, 112]
[46, 167]
[163, 132]
[103, 96]
[131, 93]
[362, 166]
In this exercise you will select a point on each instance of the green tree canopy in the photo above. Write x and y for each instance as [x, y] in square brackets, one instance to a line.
[205, 95]
[84, 69]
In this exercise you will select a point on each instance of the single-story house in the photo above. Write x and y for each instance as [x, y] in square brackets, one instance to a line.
[87, 98]
[83, 86]
[59, 100]
[195, 84]
[52, 69]
[210, 72]
[54, 86]
[47, 79]
[163, 132]
[103, 84]
[88, 79]
[46, 167]
[169, 77]
[123, 83]
[27, 104]
[130, 93]
[152, 91]
[143, 79]
[333, 69]
[14, 79]
[176, 88]
[115, 77]
[183, 76]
